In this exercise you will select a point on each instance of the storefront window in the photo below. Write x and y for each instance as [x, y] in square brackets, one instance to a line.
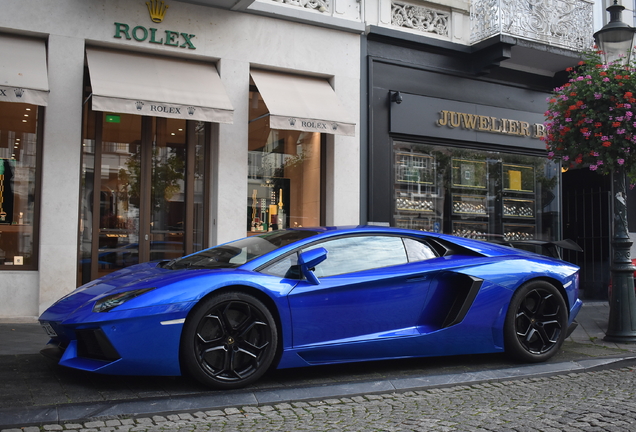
[18, 185]
[284, 179]
[477, 194]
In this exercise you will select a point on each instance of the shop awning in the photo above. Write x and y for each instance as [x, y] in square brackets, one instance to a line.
[140, 84]
[302, 103]
[23, 73]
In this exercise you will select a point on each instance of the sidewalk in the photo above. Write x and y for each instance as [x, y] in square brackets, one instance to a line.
[35, 391]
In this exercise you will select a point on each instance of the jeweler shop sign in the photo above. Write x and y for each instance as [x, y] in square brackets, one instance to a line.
[443, 118]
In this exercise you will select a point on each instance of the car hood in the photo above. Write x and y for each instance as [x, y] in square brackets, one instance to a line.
[146, 275]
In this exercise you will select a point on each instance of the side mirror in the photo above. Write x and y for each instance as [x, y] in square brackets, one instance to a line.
[310, 259]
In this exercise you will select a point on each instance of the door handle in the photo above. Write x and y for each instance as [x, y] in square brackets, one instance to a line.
[420, 278]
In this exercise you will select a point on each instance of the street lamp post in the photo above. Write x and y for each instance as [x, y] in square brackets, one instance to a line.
[616, 40]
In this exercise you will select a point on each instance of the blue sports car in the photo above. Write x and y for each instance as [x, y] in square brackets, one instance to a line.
[311, 296]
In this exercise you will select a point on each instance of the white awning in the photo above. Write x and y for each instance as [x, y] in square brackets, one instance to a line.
[23, 73]
[140, 84]
[302, 103]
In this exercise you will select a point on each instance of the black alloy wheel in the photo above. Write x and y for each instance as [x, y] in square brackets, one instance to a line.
[536, 322]
[229, 340]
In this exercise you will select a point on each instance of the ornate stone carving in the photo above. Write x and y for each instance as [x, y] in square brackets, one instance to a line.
[563, 23]
[319, 5]
[420, 18]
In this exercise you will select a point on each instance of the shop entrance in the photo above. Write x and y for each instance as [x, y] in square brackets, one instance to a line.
[143, 196]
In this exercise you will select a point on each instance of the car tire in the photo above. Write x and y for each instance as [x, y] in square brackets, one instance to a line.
[536, 322]
[229, 340]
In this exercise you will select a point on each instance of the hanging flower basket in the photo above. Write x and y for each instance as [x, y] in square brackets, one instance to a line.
[591, 120]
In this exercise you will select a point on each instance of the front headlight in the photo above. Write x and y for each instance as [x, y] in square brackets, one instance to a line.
[112, 301]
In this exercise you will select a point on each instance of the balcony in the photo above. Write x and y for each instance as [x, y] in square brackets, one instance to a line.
[566, 24]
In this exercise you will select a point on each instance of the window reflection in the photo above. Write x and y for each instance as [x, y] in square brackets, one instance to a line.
[354, 254]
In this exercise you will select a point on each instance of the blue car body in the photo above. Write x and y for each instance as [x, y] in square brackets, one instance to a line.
[452, 303]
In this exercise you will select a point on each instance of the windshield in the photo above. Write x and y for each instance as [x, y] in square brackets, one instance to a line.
[239, 252]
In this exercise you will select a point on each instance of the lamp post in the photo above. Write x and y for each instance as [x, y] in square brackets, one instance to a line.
[616, 41]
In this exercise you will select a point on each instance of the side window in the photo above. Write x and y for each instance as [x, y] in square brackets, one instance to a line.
[286, 267]
[418, 250]
[354, 254]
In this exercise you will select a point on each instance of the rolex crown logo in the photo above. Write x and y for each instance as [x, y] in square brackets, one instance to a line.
[334, 126]
[18, 92]
[292, 121]
[157, 10]
[139, 105]
[191, 110]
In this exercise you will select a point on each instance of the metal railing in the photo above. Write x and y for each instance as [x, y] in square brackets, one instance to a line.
[561, 23]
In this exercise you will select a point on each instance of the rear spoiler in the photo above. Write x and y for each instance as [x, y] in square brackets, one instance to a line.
[549, 248]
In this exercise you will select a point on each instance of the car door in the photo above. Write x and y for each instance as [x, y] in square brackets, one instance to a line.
[367, 290]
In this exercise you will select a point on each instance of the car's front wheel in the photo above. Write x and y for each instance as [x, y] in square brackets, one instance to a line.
[536, 322]
[229, 340]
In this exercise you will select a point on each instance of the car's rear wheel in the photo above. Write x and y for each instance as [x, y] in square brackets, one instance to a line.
[536, 322]
[229, 340]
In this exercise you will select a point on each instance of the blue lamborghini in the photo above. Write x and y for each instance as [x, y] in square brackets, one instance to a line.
[313, 296]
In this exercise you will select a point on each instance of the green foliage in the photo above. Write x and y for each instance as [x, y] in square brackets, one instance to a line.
[591, 120]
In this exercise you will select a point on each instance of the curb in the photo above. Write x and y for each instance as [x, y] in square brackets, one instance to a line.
[80, 413]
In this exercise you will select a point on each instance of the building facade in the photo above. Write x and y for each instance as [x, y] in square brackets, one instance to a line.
[142, 130]
[456, 95]
[132, 131]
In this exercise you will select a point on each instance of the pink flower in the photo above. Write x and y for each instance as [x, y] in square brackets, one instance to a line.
[621, 161]
[597, 95]
[593, 167]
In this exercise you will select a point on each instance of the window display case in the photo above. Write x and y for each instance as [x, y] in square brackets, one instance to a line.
[469, 205]
[473, 230]
[519, 202]
[477, 194]
[515, 207]
[514, 232]
[414, 168]
[469, 174]
[418, 202]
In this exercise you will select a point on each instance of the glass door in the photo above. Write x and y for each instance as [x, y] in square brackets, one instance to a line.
[144, 188]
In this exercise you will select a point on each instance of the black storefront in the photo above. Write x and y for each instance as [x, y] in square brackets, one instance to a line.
[454, 145]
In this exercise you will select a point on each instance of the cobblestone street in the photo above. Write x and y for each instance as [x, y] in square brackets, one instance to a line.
[590, 401]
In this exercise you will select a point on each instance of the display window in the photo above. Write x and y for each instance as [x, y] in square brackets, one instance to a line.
[284, 174]
[20, 144]
[484, 195]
